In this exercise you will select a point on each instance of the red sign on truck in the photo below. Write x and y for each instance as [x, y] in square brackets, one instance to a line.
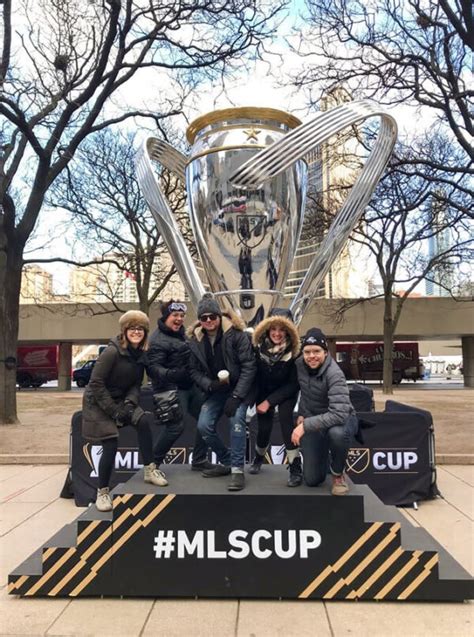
[36, 364]
[364, 361]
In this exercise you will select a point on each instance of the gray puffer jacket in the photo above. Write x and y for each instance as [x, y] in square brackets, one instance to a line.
[116, 378]
[324, 400]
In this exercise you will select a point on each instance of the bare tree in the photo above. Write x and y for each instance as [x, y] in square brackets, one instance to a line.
[110, 222]
[415, 54]
[416, 228]
[410, 53]
[71, 68]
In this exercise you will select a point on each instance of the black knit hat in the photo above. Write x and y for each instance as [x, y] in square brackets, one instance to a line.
[167, 307]
[314, 336]
[208, 305]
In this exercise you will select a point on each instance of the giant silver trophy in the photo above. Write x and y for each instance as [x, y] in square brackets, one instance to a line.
[246, 183]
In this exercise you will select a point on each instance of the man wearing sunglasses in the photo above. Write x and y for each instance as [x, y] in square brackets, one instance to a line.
[168, 369]
[219, 343]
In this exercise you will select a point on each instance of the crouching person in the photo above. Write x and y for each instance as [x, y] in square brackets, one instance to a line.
[111, 399]
[223, 366]
[326, 422]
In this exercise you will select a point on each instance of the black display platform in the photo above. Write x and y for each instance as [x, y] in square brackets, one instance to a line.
[195, 539]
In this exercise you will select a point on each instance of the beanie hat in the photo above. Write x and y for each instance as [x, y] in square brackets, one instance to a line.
[314, 336]
[167, 307]
[208, 305]
[134, 318]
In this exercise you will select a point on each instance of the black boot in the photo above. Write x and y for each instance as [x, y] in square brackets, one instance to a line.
[256, 464]
[296, 473]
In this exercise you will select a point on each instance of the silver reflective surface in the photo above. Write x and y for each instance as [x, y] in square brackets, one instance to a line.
[246, 184]
[246, 238]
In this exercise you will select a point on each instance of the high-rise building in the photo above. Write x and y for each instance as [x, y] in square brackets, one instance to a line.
[442, 276]
[332, 171]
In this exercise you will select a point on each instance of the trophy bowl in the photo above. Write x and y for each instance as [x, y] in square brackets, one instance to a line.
[246, 238]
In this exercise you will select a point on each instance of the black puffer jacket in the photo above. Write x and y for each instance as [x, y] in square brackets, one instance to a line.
[276, 381]
[168, 359]
[116, 377]
[324, 400]
[239, 358]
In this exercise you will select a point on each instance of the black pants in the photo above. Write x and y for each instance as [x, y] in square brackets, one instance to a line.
[190, 404]
[109, 449]
[265, 424]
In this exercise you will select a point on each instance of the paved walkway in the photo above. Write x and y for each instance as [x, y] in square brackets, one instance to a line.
[31, 512]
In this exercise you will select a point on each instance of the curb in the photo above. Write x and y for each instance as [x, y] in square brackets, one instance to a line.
[34, 458]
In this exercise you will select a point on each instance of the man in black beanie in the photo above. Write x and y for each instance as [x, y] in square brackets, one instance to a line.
[326, 421]
[223, 366]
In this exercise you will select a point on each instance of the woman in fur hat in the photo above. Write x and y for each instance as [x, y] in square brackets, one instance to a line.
[111, 401]
[277, 345]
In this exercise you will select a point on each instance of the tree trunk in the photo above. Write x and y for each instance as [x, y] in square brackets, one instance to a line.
[388, 333]
[11, 262]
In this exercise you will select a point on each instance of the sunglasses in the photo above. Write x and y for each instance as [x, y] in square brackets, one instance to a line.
[135, 329]
[208, 317]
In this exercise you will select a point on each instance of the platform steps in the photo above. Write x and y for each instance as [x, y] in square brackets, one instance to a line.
[386, 557]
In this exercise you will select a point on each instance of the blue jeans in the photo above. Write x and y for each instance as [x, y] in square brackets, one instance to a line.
[211, 411]
[316, 446]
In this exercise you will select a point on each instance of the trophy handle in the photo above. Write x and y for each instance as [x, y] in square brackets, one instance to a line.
[298, 143]
[175, 162]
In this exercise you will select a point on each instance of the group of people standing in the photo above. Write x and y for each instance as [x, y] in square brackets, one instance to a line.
[218, 369]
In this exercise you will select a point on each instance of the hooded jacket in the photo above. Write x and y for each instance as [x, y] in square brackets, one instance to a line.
[324, 400]
[168, 352]
[116, 378]
[239, 358]
[276, 381]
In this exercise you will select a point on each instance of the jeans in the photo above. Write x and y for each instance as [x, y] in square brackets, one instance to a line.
[316, 446]
[191, 401]
[211, 411]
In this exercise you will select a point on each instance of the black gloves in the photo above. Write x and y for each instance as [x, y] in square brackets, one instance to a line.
[216, 386]
[124, 414]
[177, 375]
[231, 405]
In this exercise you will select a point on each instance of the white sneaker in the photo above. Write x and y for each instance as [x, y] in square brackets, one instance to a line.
[154, 476]
[104, 501]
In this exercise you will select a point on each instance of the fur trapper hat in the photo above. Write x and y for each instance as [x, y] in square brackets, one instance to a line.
[134, 318]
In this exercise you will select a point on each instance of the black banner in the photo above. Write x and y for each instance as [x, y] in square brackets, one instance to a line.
[395, 460]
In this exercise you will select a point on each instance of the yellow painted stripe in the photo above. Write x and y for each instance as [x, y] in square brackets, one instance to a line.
[421, 577]
[88, 578]
[330, 594]
[163, 504]
[122, 540]
[379, 572]
[68, 577]
[315, 583]
[341, 561]
[19, 582]
[49, 551]
[400, 575]
[357, 545]
[51, 571]
[391, 535]
[87, 531]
